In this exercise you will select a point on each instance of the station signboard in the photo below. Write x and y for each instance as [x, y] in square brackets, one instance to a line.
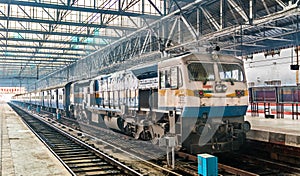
[12, 90]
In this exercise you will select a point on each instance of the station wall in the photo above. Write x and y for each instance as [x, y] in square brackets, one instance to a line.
[267, 67]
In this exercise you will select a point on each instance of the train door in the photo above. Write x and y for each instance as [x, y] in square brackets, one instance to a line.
[97, 93]
[49, 99]
[56, 99]
[168, 83]
[53, 104]
[86, 95]
[29, 98]
[60, 98]
[105, 92]
[67, 99]
[43, 98]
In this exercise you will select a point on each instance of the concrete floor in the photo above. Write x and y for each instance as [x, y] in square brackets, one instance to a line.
[279, 131]
[287, 125]
[22, 153]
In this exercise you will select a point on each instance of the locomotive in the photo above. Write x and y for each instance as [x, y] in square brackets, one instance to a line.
[199, 99]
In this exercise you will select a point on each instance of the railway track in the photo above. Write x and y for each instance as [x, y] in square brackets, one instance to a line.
[76, 156]
[79, 157]
[233, 163]
[238, 163]
[186, 164]
[143, 157]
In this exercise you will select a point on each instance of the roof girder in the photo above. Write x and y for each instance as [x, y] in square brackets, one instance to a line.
[46, 47]
[88, 25]
[7, 51]
[119, 12]
[52, 41]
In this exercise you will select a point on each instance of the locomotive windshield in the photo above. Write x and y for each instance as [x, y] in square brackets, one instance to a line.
[201, 71]
[230, 72]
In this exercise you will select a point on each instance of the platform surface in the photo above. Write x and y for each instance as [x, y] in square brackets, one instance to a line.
[21, 152]
[279, 131]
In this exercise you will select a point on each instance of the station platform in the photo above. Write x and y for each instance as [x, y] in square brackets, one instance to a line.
[278, 131]
[21, 152]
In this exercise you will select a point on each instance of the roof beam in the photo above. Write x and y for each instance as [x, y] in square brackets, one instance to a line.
[52, 41]
[210, 18]
[281, 3]
[78, 9]
[58, 33]
[153, 5]
[66, 23]
[35, 56]
[13, 65]
[258, 22]
[50, 53]
[239, 10]
[46, 47]
[17, 77]
[26, 60]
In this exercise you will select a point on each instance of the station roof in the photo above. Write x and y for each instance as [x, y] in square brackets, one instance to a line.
[39, 37]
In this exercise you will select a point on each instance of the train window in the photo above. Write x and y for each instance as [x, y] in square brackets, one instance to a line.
[168, 78]
[201, 71]
[76, 88]
[174, 77]
[162, 79]
[231, 72]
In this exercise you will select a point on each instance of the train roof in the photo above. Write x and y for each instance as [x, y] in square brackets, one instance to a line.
[145, 72]
[204, 57]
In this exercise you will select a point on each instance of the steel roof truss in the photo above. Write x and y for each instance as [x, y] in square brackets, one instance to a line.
[283, 5]
[77, 8]
[7, 51]
[211, 19]
[238, 9]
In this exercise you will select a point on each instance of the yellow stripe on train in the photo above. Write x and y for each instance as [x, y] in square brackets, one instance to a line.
[234, 94]
[182, 92]
[188, 92]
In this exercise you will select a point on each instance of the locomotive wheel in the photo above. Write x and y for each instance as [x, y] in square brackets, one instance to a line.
[145, 135]
[127, 130]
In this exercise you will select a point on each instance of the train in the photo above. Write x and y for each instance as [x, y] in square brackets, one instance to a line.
[197, 99]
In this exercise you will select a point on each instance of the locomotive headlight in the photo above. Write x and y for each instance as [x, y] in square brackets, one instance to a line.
[224, 88]
[220, 88]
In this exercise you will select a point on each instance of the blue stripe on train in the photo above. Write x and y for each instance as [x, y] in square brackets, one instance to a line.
[215, 111]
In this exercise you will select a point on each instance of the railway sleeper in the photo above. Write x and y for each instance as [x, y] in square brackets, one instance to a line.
[87, 164]
[73, 153]
[79, 158]
[113, 173]
[94, 168]
[84, 161]
[70, 150]
[76, 155]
